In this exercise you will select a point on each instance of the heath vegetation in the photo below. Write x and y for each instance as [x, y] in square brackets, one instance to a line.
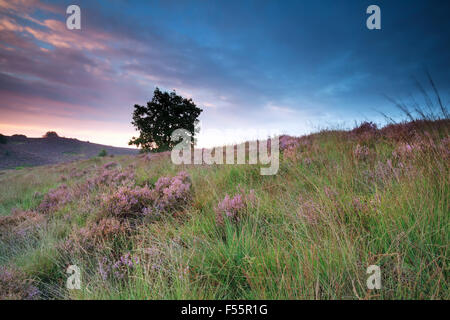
[140, 227]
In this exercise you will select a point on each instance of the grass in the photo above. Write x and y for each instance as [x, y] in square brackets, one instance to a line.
[72, 153]
[315, 228]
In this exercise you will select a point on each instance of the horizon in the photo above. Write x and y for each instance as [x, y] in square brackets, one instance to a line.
[297, 68]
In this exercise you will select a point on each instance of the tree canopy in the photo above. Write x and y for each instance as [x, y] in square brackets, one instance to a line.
[162, 115]
[50, 134]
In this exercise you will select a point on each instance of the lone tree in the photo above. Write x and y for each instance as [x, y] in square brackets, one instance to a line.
[50, 134]
[164, 114]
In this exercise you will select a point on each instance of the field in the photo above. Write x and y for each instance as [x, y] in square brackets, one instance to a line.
[139, 227]
[18, 151]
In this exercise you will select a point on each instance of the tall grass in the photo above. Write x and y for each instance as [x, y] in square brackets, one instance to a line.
[340, 202]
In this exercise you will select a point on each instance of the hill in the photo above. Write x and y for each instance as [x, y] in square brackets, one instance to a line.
[20, 151]
[143, 228]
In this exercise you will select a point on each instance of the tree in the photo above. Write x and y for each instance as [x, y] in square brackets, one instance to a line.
[164, 114]
[51, 134]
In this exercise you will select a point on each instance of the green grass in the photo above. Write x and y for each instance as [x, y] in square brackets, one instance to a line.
[360, 216]
[72, 153]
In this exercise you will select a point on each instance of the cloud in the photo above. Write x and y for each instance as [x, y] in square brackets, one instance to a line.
[246, 64]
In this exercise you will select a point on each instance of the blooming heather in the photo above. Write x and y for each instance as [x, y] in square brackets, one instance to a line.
[14, 285]
[55, 198]
[169, 194]
[109, 165]
[288, 142]
[172, 193]
[308, 210]
[128, 202]
[366, 132]
[118, 269]
[233, 208]
[115, 177]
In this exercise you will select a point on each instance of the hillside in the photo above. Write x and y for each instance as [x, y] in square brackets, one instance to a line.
[20, 151]
[140, 227]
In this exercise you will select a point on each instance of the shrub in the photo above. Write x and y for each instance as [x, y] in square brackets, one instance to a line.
[96, 235]
[172, 193]
[365, 128]
[234, 208]
[128, 202]
[169, 194]
[55, 198]
[14, 285]
[365, 133]
[288, 142]
[103, 153]
[111, 177]
[119, 269]
[20, 223]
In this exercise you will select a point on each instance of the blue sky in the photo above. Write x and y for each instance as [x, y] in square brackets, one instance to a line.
[288, 66]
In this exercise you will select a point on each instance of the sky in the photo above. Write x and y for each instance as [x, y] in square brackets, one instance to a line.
[254, 67]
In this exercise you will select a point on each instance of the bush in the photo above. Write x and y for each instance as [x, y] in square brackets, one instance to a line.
[128, 202]
[20, 224]
[97, 236]
[14, 285]
[50, 134]
[54, 199]
[234, 208]
[117, 269]
[169, 195]
[103, 153]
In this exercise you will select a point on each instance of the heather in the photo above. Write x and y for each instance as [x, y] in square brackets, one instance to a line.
[140, 227]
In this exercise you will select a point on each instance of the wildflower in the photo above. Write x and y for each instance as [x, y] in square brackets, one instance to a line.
[172, 193]
[118, 269]
[183, 272]
[168, 195]
[288, 142]
[109, 165]
[330, 193]
[308, 210]
[128, 202]
[55, 198]
[108, 177]
[233, 208]
[14, 285]
[361, 152]
[406, 150]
